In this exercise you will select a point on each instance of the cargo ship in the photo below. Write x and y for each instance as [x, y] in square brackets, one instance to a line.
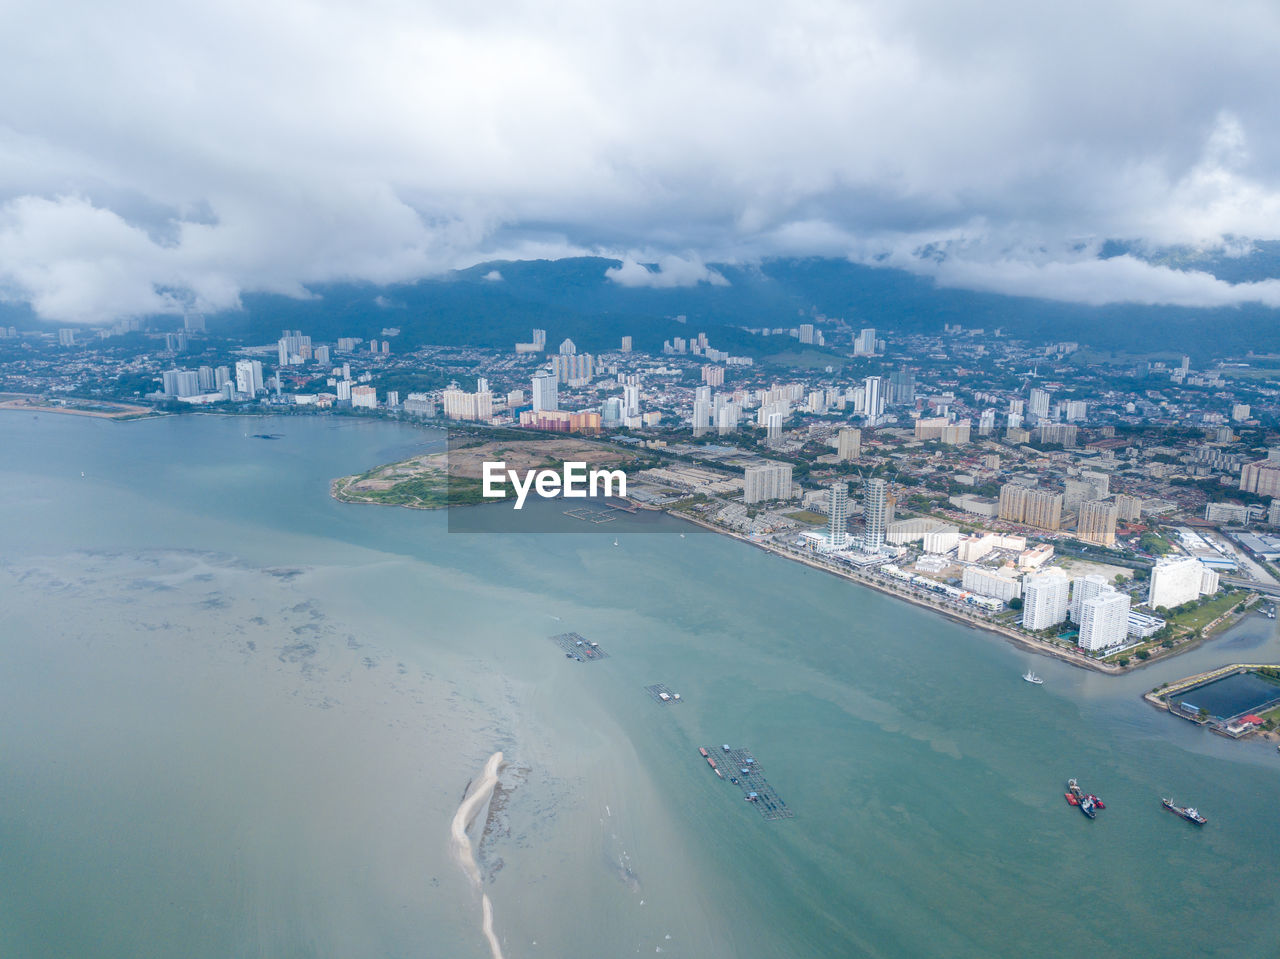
[710, 762]
[1189, 813]
[1088, 803]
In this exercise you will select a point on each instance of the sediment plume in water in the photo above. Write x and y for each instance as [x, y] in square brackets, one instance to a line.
[481, 791]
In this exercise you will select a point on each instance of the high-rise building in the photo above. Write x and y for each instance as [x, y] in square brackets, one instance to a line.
[365, 397]
[838, 515]
[713, 375]
[1045, 600]
[875, 513]
[702, 414]
[460, 405]
[249, 377]
[1038, 403]
[1064, 434]
[321, 355]
[181, 382]
[873, 399]
[766, 481]
[193, 322]
[1021, 504]
[567, 347]
[626, 344]
[773, 429]
[865, 344]
[849, 444]
[631, 400]
[1128, 508]
[67, 337]
[1104, 620]
[902, 387]
[1262, 477]
[573, 367]
[1085, 588]
[545, 392]
[1178, 581]
[1076, 411]
[1097, 523]
[205, 376]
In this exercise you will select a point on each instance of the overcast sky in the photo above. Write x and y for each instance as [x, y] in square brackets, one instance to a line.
[160, 155]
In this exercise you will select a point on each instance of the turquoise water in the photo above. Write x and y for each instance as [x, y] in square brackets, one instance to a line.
[238, 717]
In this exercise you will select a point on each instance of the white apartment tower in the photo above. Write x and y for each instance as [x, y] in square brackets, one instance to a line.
[545, 392]
[875, 513]
[1104, 620]
[838, 516]
[1178, 581]
[1044, 600]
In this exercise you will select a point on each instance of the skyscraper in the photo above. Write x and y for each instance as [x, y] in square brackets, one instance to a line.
[1044, 599]
[545, 395]
[1083, 589]
[849, 444]
[873, 399]
[1104, 620]
[838, 515]
[875, 513]
[1097, 523]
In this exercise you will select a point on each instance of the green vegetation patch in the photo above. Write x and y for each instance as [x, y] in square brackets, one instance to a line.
[807, 516]
[431, 491]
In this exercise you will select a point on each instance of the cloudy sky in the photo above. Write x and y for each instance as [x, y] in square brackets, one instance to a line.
[159, 155]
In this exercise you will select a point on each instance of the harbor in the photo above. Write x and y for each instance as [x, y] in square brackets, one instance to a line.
[742, 770]
[1235, 701]
[579, 648]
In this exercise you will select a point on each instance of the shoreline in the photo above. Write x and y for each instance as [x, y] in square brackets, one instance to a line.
[1012, 636]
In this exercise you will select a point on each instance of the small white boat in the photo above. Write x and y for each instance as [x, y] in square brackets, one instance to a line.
[615, 542]
[1032, 678]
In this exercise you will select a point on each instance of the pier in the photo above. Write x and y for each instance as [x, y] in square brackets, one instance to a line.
[658, 689]
[767, 800]
[579, 647]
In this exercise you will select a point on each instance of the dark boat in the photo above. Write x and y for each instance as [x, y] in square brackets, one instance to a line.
[1189, 813]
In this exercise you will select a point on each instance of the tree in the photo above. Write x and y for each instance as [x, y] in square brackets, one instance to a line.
[1015, 603]
[1203, 715]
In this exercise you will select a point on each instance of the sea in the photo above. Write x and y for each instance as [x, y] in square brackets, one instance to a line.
[237, 719]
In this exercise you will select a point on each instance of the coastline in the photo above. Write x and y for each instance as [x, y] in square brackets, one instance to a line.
[976, 622]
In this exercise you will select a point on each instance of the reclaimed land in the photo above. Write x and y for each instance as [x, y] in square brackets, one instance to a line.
[453, 478]
[969, 619]
[103, 409]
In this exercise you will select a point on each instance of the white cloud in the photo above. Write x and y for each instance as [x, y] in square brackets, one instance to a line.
[153, 154]
[670, 271]
[493, 276]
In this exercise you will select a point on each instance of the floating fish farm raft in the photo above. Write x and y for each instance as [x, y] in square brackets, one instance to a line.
[657, 690]
[739, 764]
[589, 515]
[579, 647]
